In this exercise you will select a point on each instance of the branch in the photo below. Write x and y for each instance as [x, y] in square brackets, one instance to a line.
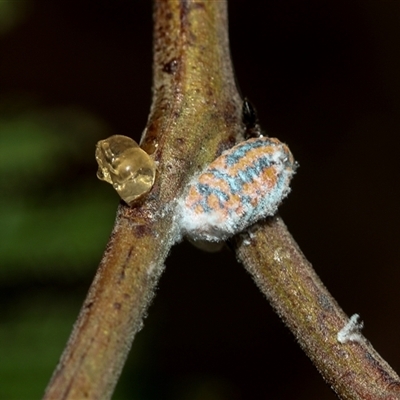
[195, 115]
[351, 367]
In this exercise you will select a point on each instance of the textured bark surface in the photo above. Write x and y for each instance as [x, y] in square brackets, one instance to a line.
[195, 115]
[353, 369]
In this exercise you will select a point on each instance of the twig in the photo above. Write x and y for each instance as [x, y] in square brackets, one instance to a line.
[352, 367]
[195, 115]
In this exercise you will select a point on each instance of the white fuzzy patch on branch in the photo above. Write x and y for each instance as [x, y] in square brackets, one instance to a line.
[351, 332]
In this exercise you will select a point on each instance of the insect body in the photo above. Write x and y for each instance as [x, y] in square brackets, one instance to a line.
[243, 185]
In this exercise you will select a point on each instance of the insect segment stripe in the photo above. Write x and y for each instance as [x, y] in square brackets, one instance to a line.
[243, 185]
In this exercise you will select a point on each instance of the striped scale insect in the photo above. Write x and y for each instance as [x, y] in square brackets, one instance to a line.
[242, 186]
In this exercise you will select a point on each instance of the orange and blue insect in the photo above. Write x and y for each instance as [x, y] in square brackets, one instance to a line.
[243, 185]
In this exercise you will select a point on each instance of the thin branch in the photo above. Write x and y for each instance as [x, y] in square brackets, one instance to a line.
[195, 115]
[353, 368]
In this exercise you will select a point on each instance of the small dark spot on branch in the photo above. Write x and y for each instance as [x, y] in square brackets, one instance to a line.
[121, 276]
[142, 230]
[171, 66]
[226, 144]
[180, 142]
[192, 38]
[184, 11]
[129, 253]
[117, 306]
[229, 114]
[149, 144]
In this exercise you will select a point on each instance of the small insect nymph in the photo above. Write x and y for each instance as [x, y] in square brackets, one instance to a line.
[242, 186]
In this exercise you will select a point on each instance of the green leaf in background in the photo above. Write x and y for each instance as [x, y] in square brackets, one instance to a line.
[55, 219]
[31, 339]
[55, 214]
[12, 13]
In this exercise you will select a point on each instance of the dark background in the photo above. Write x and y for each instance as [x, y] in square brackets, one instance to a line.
[324, 76]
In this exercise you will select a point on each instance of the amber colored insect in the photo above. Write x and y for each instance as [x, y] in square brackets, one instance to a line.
[243, 185]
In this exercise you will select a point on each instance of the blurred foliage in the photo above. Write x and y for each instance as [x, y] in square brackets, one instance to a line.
[12, 13]
[50, 186]
[30, 339]
[55, 222]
